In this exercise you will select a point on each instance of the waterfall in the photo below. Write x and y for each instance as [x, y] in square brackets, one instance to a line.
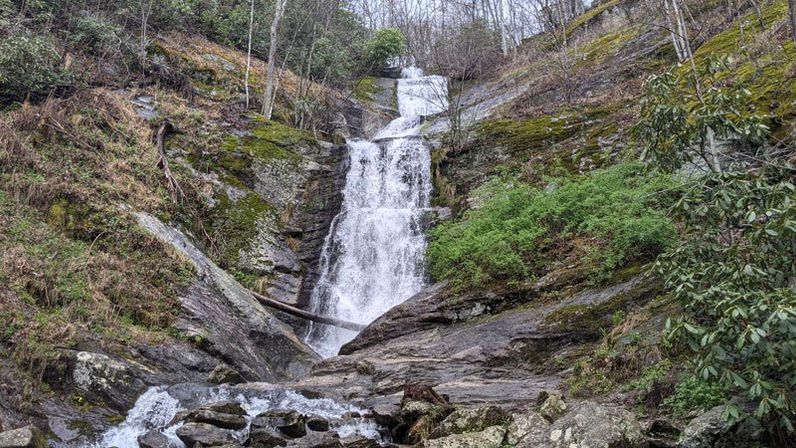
[373, 257]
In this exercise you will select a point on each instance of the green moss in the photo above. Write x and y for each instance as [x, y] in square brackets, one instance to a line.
[730, 40]
[235, 223]
[606, 46]
[366, 89]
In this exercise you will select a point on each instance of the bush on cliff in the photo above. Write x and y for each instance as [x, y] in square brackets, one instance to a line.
[516, 230]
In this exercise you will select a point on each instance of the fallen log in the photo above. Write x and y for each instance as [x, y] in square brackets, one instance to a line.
[293, 311]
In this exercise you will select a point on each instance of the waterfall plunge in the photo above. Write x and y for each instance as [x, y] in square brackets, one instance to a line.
[373, 257]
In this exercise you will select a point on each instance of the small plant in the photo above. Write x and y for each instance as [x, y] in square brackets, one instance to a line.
[694, 395]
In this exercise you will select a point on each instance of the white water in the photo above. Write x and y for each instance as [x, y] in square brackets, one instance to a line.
[373, 256]
[157, 406]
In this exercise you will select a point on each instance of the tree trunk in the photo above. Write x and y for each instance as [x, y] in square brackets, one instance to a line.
[268, 96]
[792, 13]
[249, 53]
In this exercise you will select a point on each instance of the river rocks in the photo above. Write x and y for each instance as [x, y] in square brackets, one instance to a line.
[316, 423]
[204, 434]
[226, 421]
[265, 438]
[491, 437]
[289, 423]
[27, 437]
[153, 439]
[712, 430]
[224, 374]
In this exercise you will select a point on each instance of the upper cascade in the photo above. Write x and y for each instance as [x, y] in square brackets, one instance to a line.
[373, 257]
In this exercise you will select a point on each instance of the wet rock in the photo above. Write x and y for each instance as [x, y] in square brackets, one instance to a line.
[204, 434]
[317, 440]
[712, 430]
[224, 374]
[265, 438]
[357, 441]
[226, 407]
[526, 425]
[316, 423]
[491, 437]
[27, 437]
[153, 439]
[553, 407]
[289, 423]
[218, 419]
[471, 420]
[589, 423]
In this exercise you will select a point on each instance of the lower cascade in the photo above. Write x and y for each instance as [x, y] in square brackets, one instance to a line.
[373, 256]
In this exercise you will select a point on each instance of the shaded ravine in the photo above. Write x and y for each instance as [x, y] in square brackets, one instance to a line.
[373, 257]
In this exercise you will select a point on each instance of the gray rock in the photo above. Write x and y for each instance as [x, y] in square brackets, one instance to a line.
[526, 425]
[265, 438]
[27, 437]
[712, 430]
[589, 424]
[153, 439]
[289, 423]
[221, 313]
[553, 407]
[224, 374]
[317, 440]
[471, 420]
[491, 437]
[100, 377]
[204, 434]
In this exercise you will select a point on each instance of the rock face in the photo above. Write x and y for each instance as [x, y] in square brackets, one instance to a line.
[229, 320]
[27, 437]
[455, 342]
[289, 423]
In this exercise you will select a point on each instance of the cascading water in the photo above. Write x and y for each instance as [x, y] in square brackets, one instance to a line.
[373, 256]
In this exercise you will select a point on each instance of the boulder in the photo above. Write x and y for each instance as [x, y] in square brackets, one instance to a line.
[226, 407]
[317, 440]
[316, 423]
[553, 407]
[102, 378]
[204, 434]
[526, 425]
[27, 437]
[153, 439]
[491, 437]
[224, 374]
[265, 438]
[289, 423]
[712, 430]
[357, 441]
[218, 419]
[591, 424]
[471, 420]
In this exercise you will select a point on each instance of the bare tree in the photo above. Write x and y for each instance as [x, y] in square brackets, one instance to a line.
[792, 13]
[249, 53]
[268, 96]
